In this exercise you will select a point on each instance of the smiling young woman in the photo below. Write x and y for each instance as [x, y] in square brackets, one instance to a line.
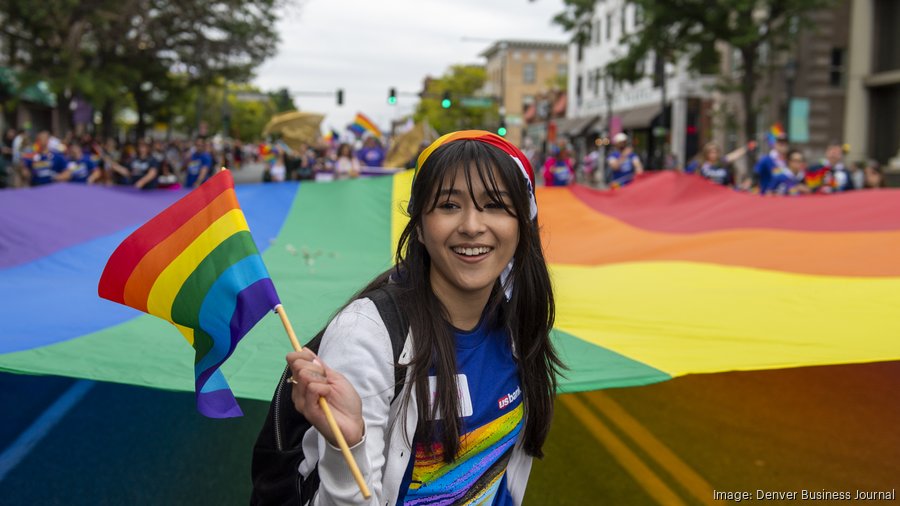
[479, 367]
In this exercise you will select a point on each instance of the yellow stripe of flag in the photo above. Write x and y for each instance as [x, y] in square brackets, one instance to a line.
[399, 201]
[683, 317]
[167, 285]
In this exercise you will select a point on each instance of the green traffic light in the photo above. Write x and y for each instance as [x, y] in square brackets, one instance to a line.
[501, 131]
[392, 100]
[445, 103]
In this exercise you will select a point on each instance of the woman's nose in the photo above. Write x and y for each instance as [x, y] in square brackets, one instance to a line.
[472, 221]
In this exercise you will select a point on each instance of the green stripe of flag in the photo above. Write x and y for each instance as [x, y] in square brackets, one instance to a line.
[186, 306]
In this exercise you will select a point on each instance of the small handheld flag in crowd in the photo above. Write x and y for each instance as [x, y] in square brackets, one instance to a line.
[362, 124]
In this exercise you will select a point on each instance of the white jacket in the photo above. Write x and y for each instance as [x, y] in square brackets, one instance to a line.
[356, 344]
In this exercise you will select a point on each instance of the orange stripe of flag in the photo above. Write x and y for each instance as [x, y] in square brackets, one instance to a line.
[576, 234]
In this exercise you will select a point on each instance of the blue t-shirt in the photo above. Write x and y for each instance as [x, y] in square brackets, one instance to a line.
[784, 182]
[44, 167]
[625, 173]
[492, 409]
[140, 167]
[80, 169]
[766, 167]
[198, 161]
[371, 157]
[716, 172]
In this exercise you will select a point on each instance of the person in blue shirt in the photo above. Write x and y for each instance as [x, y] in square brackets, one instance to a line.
[142, 169]
[80, 167]
[715, 167]
[772, 163]
[790, 181]
[623, 163]
[480, 367]
[200, 166]
[836, 175]
[43, 164]
[371, 154]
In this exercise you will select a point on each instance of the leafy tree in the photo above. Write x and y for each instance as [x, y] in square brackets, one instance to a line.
[283, 100]
[152, 50]
[240, 111]
[674, 28]
[461, 81]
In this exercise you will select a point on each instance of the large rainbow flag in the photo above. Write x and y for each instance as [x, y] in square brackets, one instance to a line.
[669, 276]
[196, 266]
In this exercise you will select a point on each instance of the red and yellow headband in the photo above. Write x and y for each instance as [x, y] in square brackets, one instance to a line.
[496, 141]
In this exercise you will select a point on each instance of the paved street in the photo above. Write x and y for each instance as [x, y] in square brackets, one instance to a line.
[831, 428]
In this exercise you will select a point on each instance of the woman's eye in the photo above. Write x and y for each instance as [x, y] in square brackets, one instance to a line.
[447, 205]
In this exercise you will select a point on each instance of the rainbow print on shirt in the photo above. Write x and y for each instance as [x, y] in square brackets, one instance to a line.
[474, 477]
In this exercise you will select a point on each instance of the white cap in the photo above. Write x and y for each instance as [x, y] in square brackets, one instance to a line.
[620, 137]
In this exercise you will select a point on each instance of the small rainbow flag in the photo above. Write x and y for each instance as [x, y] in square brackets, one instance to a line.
[196, 266]
[362, 124]
[775, 132]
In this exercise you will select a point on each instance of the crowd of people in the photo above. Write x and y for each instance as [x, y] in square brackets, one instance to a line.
[328, 160]
[149, 164]
[144, 164]
[782, 171]
[785, 171]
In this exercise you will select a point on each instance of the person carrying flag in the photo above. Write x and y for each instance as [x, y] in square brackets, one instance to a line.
[772, 163]
[480, 369]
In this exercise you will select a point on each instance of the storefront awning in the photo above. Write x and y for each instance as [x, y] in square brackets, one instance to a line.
[639, 117]
[574, 127]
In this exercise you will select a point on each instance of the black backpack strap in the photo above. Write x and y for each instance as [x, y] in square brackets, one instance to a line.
[386, 300]
[278, 452]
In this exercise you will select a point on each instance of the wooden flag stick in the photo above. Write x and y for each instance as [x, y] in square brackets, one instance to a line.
[338, 435]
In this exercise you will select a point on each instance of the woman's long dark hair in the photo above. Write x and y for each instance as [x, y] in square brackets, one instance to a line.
[528, 314]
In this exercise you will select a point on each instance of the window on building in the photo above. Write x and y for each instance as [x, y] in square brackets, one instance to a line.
[578, 83]
[580, 52]
[528, 73]
[597, 37]
[836, 73]
[517, 55]
[887, 51]
[548, 56]
[609, 17]
[622, 19]
[562, 69]
[533, 56]
[598, 75]
[638, 16]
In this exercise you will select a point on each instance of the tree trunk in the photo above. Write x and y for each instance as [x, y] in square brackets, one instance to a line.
[141, 103]
[748, 89]
[108, 126]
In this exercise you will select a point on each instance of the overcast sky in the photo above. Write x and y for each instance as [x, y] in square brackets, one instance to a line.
[368, 46]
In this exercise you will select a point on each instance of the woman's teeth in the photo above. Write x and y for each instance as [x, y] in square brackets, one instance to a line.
[470, 252]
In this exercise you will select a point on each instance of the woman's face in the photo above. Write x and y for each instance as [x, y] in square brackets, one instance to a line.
[469, 248]
[873, 178]
[712, 154]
